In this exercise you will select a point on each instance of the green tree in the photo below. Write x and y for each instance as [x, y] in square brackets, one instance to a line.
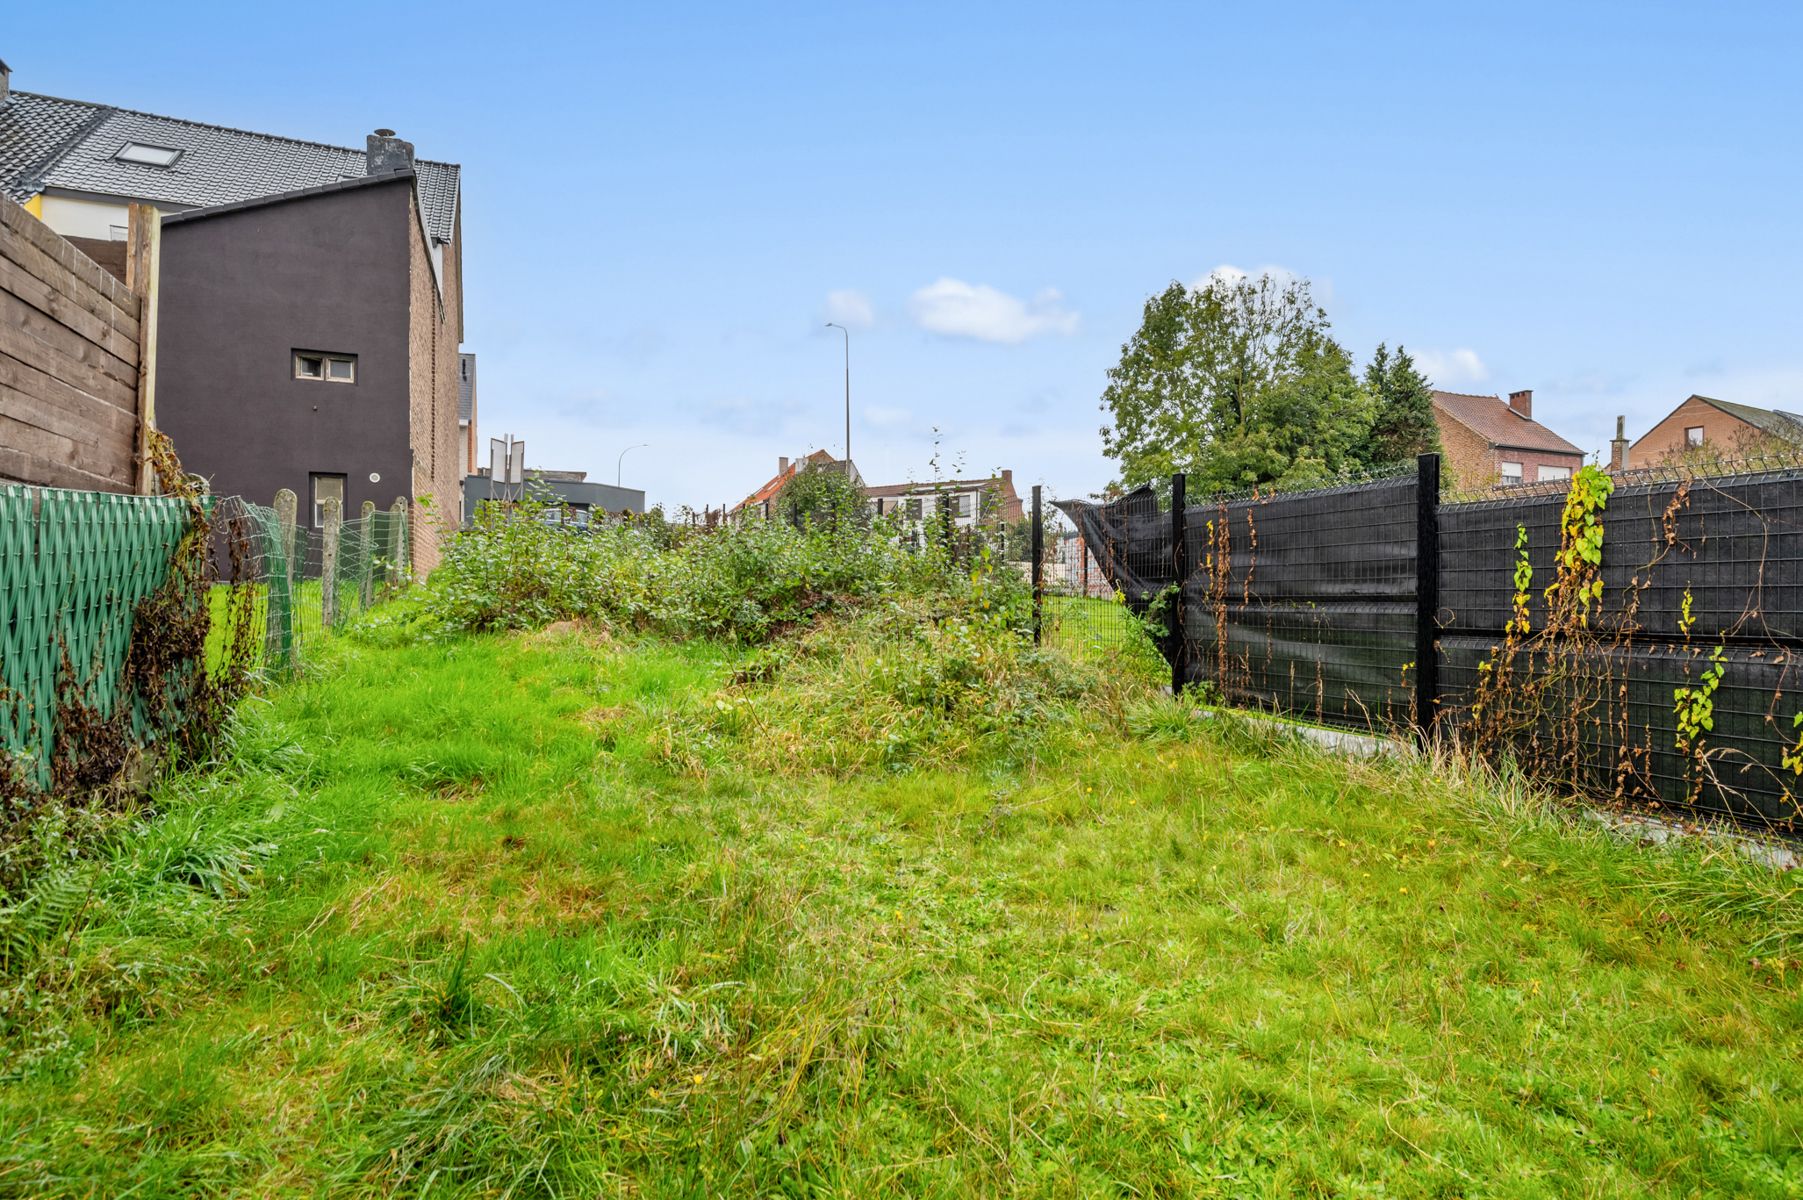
[823, 496]
[1239, 383]
[1404, 425]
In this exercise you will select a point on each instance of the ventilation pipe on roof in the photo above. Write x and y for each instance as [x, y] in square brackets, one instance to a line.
[385, 152]
[1523, 403]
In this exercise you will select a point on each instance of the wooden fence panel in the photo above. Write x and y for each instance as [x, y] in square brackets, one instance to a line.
[71, 344]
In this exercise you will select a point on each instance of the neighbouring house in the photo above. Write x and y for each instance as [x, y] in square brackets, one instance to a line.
[466, 413]
[570, 495]
[310, 296]
[1489, 441]
[1703, 425]
[762, 502]
[990, 501]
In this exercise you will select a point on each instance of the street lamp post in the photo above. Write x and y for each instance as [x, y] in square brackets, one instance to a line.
[619, 463]
[842, 329]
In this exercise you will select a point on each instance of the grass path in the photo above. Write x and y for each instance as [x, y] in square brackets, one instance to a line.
[473, 937]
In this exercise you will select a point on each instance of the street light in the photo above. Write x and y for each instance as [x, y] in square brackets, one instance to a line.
[842, 329]
[620, 462]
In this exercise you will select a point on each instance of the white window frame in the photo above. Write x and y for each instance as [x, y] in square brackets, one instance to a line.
[326, 363]
[1508, 476]
[319, 512]
[147, 154]
[1693, 443]
[1548, 474]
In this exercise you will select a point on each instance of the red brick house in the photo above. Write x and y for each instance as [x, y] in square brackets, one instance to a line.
[1703, 425]
[1489, 441]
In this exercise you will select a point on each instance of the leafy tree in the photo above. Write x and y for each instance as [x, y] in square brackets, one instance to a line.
[1238, 383]
[824, 497]
[1404, 426]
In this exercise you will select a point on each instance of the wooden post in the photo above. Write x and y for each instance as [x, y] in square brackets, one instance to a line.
[1179, 573]
[328, 562]
[397, 538]
[1038, 551]
[143, 253]
[281, 581]
[366, 554]
[1427, 595]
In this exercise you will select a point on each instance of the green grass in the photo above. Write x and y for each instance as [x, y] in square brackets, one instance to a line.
[458, 919]
[1102, 631]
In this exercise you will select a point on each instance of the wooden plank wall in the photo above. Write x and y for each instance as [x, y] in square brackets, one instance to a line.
[70, 341]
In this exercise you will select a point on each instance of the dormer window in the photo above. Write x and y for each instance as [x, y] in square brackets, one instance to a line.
[148, 155]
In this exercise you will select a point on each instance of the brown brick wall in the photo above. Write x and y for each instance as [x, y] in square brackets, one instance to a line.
[1722, 435]
[435, 330]
[1472, 463]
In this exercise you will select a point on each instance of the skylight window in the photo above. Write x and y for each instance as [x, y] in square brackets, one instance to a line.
[150, 156]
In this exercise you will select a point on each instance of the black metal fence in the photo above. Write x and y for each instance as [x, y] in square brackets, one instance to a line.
[1376, 606]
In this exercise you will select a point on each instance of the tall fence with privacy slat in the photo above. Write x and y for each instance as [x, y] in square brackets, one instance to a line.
[73, 568]
[1378, 607]
[76, 566]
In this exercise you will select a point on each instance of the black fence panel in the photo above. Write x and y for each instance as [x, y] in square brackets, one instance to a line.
[1306, 603]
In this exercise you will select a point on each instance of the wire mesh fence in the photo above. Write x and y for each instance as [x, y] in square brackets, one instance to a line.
[304, 581]
[1082, 607]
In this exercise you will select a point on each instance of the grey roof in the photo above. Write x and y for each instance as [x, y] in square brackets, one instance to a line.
[46, 142]
[466, 387]
[1775, 421]
[32, 129]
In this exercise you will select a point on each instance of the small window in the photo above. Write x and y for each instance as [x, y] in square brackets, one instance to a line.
[1511, 472]
[964, 504]
[1693, 436]
[326, 487]
[914, 509]
[146, 155]
[332, 368]
[1551, 473]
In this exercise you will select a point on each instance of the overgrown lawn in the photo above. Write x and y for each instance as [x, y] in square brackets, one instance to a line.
[513, 915]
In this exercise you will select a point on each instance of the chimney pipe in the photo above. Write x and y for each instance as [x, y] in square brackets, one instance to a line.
[6, 81]
[782, 465]
[1618, 449]
[1523, 403]
[384, 152]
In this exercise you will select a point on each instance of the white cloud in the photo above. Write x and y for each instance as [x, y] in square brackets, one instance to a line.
[851, 308]
[975, 310]
[1451, 368]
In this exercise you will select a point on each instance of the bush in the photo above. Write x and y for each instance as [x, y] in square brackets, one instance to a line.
[743, 583]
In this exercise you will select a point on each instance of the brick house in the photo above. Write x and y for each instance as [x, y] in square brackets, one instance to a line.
[1489, 441]
[762, 503]
[971, 501]
[310, 296]
[1703, 425]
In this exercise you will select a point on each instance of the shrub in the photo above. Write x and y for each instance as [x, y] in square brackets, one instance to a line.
[742, 583]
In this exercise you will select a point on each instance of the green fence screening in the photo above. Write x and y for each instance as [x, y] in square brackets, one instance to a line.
[73, 567]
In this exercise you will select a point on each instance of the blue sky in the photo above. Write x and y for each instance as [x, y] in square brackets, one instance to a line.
[664, 202]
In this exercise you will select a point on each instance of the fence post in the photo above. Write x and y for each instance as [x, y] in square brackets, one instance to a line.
[281, 580]
[397, 537]
[1038, 552]
[1179, 572]
[328, 563]
[1427, 594]
[366, 555]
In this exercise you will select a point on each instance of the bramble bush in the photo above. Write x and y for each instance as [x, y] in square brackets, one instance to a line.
[745, 582]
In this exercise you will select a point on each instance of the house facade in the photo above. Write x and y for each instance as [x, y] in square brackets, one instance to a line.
[762, 502]
[969, 502]
[576, 498]
[1490, 441]
[1705, 426]
[310, 296]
